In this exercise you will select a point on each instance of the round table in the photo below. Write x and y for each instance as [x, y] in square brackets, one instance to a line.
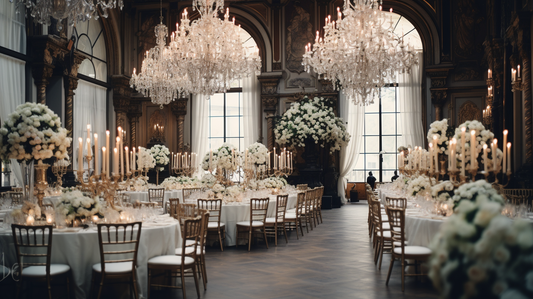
[78, 248]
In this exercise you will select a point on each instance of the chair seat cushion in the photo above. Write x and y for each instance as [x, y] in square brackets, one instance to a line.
[169, 260]
[114, 267]
[272, 220]
[289, 216]
[35, 271]
[413, 250]
[189, 250]
[213, 224]
[247, 223]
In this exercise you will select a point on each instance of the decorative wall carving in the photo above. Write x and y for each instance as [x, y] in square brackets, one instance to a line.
[299, 32]
[469, 111]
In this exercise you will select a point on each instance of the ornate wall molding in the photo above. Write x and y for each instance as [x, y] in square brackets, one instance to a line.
[439, 91]
[270, 101]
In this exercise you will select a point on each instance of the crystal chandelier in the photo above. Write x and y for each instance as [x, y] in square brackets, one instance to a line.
[158, 78]
[74, 10]
[360, 50]
[208, 52]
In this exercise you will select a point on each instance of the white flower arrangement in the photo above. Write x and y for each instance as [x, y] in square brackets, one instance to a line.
[311, 118]
[73, 204]
[483, 136]
[145, 160]
[258, 154]
[161, 155]
[419, 186]
[208, 180]
[222, 158]
[227, 194]
[180, 182]
[140, 183]
[33, 132]
[443, 132]
[479, 191]
[442, 192]
[480, 253]
[273, 182]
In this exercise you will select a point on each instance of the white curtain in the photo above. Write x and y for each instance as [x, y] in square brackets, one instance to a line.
[410, 96]
[354, 115]
[200, 126]
[12, 27]
[251, 94]
[12, 94]
[89, 108]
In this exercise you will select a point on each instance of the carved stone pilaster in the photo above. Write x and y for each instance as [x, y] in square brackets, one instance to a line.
[134, 112]
[270, 100]
[439, 90]
[46, 51]
[179, 109]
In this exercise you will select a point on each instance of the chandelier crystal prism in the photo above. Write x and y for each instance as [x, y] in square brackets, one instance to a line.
[360, 51]
[208, 51]
[74, 10]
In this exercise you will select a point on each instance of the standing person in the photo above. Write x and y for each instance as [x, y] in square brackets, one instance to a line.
[371, 180]
[395, 176]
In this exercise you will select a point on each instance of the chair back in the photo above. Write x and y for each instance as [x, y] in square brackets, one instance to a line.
[186, 192]
[300, 204]
[33, 245]
[119, 243]
[258, 209]
[301, 187]
[16, 198]
[309, 198]
[191, 231]
[396, 202]
[376, 216]
[281, 207]
[397, 226]
[173, 207]
[214, 206]
[156, 195]
[186, 211]
[205, 223]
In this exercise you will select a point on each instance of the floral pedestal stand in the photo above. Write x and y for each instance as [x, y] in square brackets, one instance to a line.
[311, 171]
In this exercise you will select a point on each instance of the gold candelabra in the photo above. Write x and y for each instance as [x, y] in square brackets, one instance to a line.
[285, 171]
[185, 171]
[59, 169]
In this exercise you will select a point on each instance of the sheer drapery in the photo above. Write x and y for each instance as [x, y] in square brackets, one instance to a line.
[354, 115]
[89, 108]
[251, 109]
[12, 94]
[200, 127]
[410, 97]
[12, 27]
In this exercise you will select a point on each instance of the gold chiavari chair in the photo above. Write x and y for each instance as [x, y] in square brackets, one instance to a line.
[256, 224]
[382, 235]
[156, 195]
[186, 211]
[275, 225]
[119, 245]
[396, 202]
[308, 213]
[173, 207]
[186, 192]
[33, 245]
[214, 206]
[319, 195]
[191, 233]
[296, 216]
[399, 250]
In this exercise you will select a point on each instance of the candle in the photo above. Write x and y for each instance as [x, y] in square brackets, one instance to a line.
[80, 154]
[88, 131]
[463, 151]
[508, 158]
[505, 132]
[490, 74]
[89, 150]
[127, 160]
[494, 158]
[473, 149]
[134, 167]
[96, 165]
[104, 166]
[518, 67]
[431, 157]
[275, 158]
[115, 161]
[513, 74]
[485, 168]
[30, 220]
[49, 219]
[95, 218]
[107, 168]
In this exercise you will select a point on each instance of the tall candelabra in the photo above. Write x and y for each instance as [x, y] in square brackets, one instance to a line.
[59, 168]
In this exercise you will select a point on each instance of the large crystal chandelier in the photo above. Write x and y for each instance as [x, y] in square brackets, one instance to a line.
[74, 10]
[208, 52]
[360, 50]
[158, 78]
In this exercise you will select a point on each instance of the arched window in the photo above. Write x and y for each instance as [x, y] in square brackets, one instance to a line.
[90, 40]
[382, 124]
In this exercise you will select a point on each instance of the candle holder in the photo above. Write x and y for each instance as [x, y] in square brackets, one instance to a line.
[101, 185]
[59, 169]
[184, 171]
[285, 171]
[516, 85]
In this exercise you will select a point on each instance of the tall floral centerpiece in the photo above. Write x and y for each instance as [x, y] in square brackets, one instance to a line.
[482, 137]
[145, 160]
[307, 123]
[224, 162]
[161, 155]
[479, 253]
[33, 133]
[73, 205]
[440, 130]
[258, 157]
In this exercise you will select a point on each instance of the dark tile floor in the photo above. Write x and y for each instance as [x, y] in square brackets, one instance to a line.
[335, 260]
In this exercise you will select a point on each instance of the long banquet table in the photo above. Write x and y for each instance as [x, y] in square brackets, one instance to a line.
[78, 248]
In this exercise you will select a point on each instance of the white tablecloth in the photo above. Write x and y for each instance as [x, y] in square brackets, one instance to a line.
[236, 212]
[80, 251]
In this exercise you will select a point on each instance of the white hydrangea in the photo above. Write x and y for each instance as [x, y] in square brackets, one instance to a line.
[161, 155]
[172, 182]
[33, 132]
[443, 191]
[145, 160]
[483, 136]
[419, 185]
[73, 204]
[222, 158]
[438, 128]
[258, 154]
